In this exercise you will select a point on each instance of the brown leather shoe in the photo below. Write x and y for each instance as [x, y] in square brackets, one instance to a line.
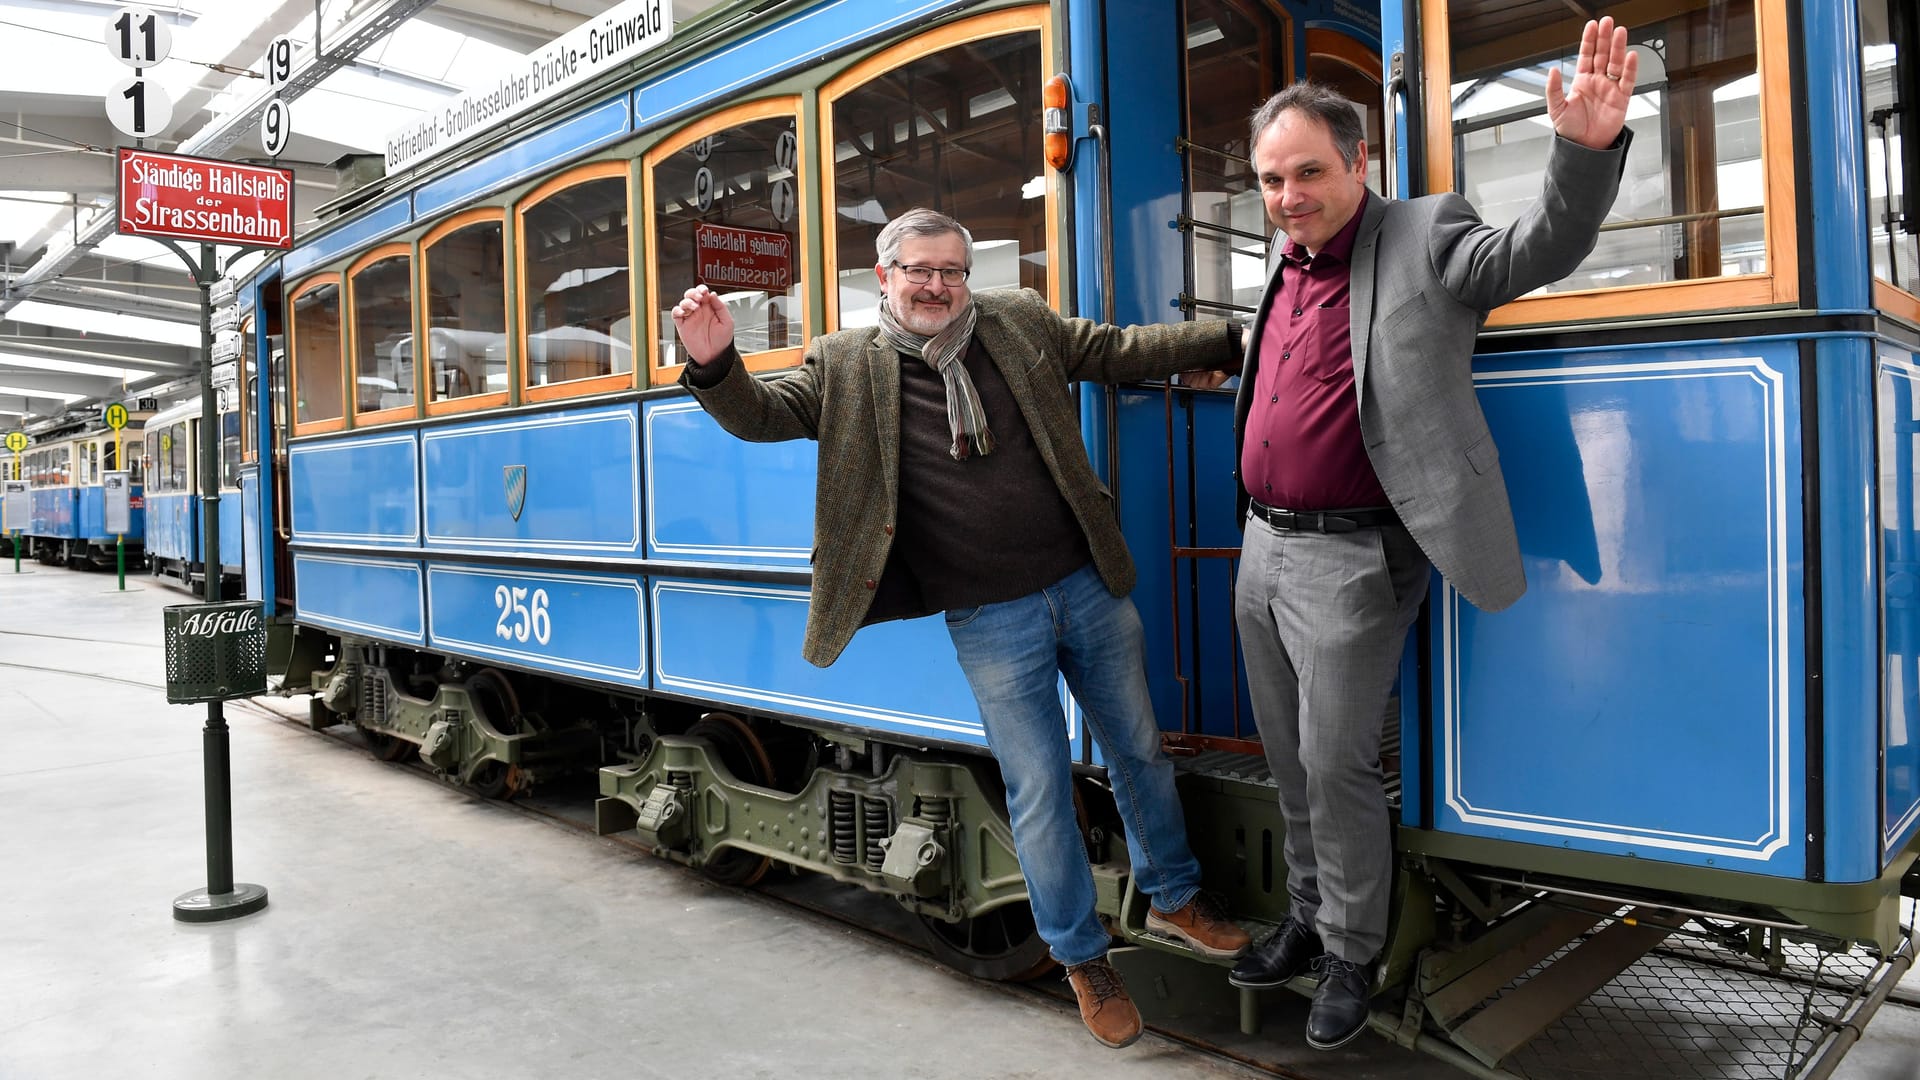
[1204, 925]
[1104, 1005]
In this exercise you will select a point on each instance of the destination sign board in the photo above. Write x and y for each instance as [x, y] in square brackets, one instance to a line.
[215, 202]
[596, 46]
[734, 259]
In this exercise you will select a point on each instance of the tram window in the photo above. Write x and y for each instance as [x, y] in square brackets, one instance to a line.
[230, 449]
[952, 130]
[725, 202]
[1692, 202]
[136, 464]
[382, 286]
[576, 291]
[1890, 71]
[174, 445]
[466, 310]
[316, 353]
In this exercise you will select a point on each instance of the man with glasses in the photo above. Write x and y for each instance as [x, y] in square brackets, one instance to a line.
[952, 477]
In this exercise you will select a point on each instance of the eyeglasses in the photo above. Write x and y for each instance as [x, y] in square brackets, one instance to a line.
[951, 277]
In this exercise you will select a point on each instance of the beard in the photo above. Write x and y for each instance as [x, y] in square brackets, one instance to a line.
[924, 318]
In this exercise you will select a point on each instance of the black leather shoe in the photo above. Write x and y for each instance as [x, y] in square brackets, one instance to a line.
[1289, 952]
[1340, 1004]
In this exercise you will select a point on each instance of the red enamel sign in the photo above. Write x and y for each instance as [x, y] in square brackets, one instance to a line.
[217, 202]
[726, 258]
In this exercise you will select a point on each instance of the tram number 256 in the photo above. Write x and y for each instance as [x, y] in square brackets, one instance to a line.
[522, 616]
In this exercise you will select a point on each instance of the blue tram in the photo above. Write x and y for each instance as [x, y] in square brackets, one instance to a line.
[521, 547]
[66, 522]
[175, 527]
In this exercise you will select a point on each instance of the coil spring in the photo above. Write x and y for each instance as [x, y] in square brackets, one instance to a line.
[878, 819]
[936, 811]
[840, 825]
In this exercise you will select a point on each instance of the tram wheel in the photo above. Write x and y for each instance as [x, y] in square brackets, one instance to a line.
[1002, 945]
[386, 747]
[742, 752]
[499, 706]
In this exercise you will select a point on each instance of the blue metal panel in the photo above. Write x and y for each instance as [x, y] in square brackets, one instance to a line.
[173, 526]
[791, 42]
[741, 643]
[1087, 63]
[260, 565]
[375, 225]
[575, 475]
[1834, 118]
[90, 514]
[1143, 42]
[1850, 605]
[586, 625]
[1899, 438]
[579, 134]
[1207, 651]
[232, 529]
[378, 597]
[53, 513]
[360, 490]
[253, 554]
[1646, 696]
[714, 498]
[136, 514]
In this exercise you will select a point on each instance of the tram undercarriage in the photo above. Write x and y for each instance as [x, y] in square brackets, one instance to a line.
[1499, 970]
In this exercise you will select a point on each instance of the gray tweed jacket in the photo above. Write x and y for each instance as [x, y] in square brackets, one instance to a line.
[1425, 273]
[846, 395]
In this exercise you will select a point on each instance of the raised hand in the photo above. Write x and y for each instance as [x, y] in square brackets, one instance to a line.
[704, 323]
[1594, 110]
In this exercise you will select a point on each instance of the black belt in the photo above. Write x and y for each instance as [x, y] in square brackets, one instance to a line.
[1326, 521]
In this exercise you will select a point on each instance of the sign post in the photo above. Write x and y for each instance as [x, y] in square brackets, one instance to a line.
[116, 486]
[15, 507]
[170, 197]
[117, 494]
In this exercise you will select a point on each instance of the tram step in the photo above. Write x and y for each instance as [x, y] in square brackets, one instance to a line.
[1516, 1016]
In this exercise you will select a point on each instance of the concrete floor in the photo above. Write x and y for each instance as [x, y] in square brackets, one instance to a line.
[417, 932]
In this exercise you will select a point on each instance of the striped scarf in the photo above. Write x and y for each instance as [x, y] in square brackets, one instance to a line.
[943, 352]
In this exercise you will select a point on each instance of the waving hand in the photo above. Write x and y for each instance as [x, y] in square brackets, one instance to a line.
[1593, 111]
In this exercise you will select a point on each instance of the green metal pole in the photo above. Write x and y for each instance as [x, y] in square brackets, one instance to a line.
[120, 559]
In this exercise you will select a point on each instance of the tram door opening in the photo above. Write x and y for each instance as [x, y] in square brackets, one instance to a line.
[1236, 54]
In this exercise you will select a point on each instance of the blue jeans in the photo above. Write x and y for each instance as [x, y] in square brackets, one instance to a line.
[1013, 654]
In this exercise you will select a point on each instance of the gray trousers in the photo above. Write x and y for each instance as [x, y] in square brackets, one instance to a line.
[1323, 619]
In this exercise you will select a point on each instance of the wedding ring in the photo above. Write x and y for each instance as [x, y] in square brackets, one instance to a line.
[1615, 78]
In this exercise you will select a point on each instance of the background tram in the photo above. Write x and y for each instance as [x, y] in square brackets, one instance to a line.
[66, 523]
[523, 550]
[175, 536]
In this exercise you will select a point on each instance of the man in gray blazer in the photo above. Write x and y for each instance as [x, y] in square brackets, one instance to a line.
[952, 477]
[1363, 458]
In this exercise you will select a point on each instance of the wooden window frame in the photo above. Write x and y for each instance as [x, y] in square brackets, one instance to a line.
[499, 398]
[1779, 286]
[659, 374]
[337, 423]
[352, 336]
[978, 28]
[598, 384]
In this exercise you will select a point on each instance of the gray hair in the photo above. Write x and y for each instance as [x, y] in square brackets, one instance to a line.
[1318, 102]
[919, 221]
